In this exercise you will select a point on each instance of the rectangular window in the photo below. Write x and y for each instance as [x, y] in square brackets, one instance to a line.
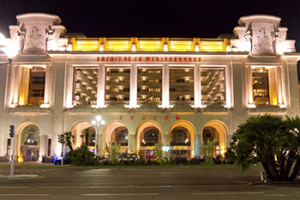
[213, 86]
[85, 87]
[181, 84]
[49, 147]
[260, 82]
[117, 84]
[36, 86]
[149, 84]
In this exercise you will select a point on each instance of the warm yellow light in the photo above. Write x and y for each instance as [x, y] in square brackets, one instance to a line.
[150, 45]
[181, 45]
[212, 46]
[118, 45]
[87, 45]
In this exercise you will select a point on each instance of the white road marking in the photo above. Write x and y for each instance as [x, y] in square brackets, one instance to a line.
[131, 186]
[142, 194]
[217, 193]
[24, 194]
[275, 195]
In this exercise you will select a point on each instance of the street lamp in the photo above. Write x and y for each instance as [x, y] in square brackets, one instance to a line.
[97, 124]
[9, 51]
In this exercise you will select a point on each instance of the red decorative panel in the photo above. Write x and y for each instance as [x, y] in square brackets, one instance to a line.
[177, 117]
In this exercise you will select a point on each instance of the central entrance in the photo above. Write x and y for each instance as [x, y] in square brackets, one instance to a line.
[180, 140]
[30, 143]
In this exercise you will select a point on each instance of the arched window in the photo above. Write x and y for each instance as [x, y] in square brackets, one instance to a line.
[210, 133]
[121, 136]
[180, 137]
[31, 138]
[150, 136]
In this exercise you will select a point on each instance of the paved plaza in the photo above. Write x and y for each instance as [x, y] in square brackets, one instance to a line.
[194, 182]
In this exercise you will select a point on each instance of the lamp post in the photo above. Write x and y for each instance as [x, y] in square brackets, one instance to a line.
[9, 51]
[97, 124]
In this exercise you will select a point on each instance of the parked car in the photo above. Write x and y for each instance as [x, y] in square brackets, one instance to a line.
[67, 161]
[128, 158]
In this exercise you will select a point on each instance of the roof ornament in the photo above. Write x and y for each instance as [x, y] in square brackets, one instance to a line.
[166, 49]
[197, 49]
[101, 47]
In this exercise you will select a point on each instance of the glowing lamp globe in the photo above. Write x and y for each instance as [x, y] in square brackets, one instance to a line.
[98, 118]
[2, 39]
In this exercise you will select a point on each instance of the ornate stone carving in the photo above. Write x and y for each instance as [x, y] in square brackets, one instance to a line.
[50, 34]
[20, 40]
[263, 38]
[35, 40]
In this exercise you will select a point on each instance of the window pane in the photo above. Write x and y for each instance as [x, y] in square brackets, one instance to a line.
[85, 85]
[117, 84]
[149, 85]
[212, 86]
[181, 84]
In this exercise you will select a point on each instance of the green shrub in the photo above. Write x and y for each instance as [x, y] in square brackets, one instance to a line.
[81, 156]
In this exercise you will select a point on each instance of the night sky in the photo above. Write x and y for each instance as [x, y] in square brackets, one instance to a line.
[204, 19]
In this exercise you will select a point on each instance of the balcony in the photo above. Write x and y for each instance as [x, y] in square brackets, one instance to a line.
[265, 108]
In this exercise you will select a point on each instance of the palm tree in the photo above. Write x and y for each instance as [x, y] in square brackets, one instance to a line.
[293, 125]
[69, 139]
[268, 139]
[86, 133]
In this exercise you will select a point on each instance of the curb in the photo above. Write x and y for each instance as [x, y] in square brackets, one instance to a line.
[18, 177]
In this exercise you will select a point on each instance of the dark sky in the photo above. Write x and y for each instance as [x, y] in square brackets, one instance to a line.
[206, 19]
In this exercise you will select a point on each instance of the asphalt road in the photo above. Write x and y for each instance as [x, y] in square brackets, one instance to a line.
[145, 183]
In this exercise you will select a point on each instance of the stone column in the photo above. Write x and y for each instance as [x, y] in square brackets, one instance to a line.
[228, 88]
[197, 145]
[69, 86]
[101, 86]
[249, 85]
[43, 146]
[165, 86]
[165, 139]
[279, 85]
[18, 75]
[133, 86]
[47, 86]
[131, 143]
[197, 87]
[101, 141]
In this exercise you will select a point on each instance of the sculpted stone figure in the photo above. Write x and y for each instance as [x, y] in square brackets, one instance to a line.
[263, 38]
[20, 41]
[35, 40]
[50, 34]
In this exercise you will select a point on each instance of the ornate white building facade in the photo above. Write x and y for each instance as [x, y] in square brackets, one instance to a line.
[180, 91]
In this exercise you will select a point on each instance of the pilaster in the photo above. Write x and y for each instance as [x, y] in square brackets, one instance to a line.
[197, 87]
[101, 87]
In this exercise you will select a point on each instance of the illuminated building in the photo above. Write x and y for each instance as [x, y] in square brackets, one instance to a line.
[178, 90]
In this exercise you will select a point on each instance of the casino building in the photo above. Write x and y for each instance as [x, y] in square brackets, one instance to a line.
[180, 91]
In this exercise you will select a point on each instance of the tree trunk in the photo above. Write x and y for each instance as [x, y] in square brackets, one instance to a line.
[69, 145]
[273, 169]
[289, 164]
[87, 139]
[295, 171]
[266, 168]
[281, 159]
